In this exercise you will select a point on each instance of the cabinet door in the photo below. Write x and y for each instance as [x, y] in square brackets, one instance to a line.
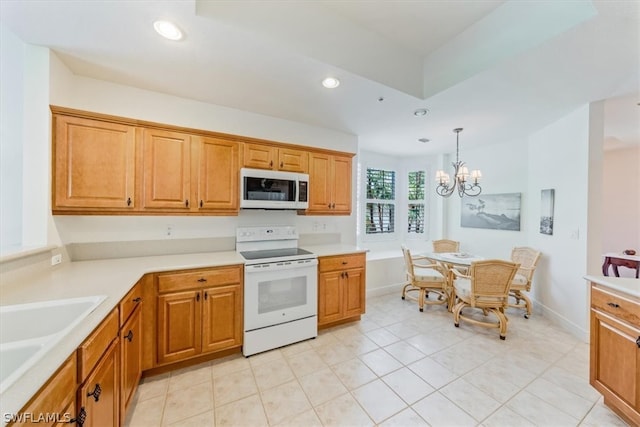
[259, 156]
[615, 356]
[179, 319]
[99, 394]
[293, 160]
[130, 360]
[341, 179]
[319, 183]
[354, 295]
[330, 297]
[222, 318]
[166, 169]
[94, 164]
[218, 175]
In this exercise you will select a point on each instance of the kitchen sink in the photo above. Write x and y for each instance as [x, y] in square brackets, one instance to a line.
[29, 331]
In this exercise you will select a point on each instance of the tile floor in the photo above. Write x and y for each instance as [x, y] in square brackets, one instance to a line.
[396, 367]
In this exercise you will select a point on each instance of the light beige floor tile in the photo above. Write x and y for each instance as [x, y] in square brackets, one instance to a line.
[354, 373]
[334, 353]
[185, 402]
[306, 363]
[432, 372]
[306, 419]
[380, 362]
[404, 353]
[187, 377]
[266, 357]
[146, 413]
[402, 330]
[378, 400]
[360, 345]
[472, 400]
[233, 386]
[406, 418]
[151, 387]
[322, 386]
[296, 348]
[409, 386]
[427, 343]
[499, 388]
[539, 412]
[245, 412]
[343, 411]
[459, 360]
[505, 417]
[272, 374]
[324, 338]
[437, 410]
[230, 364]
[284, 401]
[206, 419]
[571, 382]
[601, 416]
[382, 337]
[565, 400]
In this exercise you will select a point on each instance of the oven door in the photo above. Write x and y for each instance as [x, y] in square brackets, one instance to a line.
[280, 292]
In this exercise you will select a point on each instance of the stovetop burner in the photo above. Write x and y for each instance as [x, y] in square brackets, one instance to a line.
[274, 253]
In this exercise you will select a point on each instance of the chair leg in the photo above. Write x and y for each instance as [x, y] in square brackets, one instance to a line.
[502, 318]
[404, 290]
[527, 302]
[421, 298]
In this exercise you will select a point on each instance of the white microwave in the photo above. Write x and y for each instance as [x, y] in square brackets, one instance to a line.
[265, 189]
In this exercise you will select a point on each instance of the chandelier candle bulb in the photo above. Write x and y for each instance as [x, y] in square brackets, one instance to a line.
[476, 175]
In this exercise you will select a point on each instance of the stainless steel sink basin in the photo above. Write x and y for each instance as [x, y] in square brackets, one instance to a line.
[29, 331]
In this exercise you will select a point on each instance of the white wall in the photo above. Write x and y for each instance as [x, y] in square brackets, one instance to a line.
[504, 169]
[621, 202]
[559, 159]
[83, 93]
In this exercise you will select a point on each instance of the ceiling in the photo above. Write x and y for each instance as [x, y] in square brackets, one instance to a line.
[499, 69]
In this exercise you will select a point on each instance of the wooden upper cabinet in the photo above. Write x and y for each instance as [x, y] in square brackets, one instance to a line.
[166, 170]
[94, 164]
[218, 164]
[329, 184]
[261, 156]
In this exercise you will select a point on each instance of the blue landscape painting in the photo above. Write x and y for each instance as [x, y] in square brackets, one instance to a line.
[493, 211]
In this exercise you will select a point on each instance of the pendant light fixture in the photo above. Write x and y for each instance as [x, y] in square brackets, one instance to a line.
[460, 177]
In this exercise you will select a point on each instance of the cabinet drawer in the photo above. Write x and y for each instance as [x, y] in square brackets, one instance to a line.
[93, 347]
[57, 395]
[623, 308]
[130, 302]
[341, 262]
[198, 279]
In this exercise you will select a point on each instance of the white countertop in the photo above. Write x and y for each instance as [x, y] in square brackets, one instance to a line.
[627, 285]
[113, 278]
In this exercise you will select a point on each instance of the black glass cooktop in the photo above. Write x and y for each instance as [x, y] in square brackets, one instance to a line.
[274, 253]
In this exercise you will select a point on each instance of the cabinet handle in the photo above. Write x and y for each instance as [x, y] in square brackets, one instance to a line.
[137, 300]
[333, 205]
[129, 336]
[271, 163]
[81, 418]
[201, 203]
[613, 304]
[186, 203]
[345, 262]
[329, 205]
[342, 274]
[281, 164]
[202, 279]
[346, 273]
[198, 296]
[206, 295]
[638, 342]
[96, 392]
[128, 201]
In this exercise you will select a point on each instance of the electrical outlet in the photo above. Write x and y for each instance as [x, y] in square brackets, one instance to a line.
[169, 230]
[56, 259]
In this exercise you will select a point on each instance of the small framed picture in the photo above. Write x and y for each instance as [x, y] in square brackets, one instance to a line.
[546, 211]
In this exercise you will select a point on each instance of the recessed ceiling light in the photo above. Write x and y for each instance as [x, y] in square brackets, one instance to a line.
[331, 83]
[168, 30]
[424, 140]
[420, 112]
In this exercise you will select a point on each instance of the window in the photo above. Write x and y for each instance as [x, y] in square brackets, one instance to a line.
[380, 201]
[416, 205]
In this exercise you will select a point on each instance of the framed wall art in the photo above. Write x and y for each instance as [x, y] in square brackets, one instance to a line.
[547, 198]
[493, 211]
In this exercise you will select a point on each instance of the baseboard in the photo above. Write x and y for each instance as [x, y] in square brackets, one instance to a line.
[385, 290]
[561, 321]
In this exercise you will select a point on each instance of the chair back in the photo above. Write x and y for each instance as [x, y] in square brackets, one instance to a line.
[527, 258]
[408, 263]
[445, 245]
[491, 279]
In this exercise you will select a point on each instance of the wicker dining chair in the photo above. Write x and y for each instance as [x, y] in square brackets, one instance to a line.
[528, 259]
[486, 287]
[424, 279]
[445, 245]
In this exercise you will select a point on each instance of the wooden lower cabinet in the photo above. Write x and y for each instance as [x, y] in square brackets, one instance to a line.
[130, 360]
[198, 312]
[615, 350]
[341, 288]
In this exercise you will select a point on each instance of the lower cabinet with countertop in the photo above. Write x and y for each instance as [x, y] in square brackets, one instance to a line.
[615, 348]
[341, 288]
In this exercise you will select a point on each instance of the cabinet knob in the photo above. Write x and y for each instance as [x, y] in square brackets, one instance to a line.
[186, 203]
[129, 336]
[281, 164]
[128, 201]
[81, 418]
[329, 205]
[96, 392]
[613, 304]
[271, 163]
[137, 300]
[345, 262]
[202, 279]
[201, 203]
[198, 296]
[346, 274]
[638, 342]
[206, 295]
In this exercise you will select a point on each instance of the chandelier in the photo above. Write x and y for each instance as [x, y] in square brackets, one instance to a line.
[461, 177]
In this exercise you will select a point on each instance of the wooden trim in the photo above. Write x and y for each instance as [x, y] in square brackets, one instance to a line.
[55, 109]
[190, 362]
[339, 322]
